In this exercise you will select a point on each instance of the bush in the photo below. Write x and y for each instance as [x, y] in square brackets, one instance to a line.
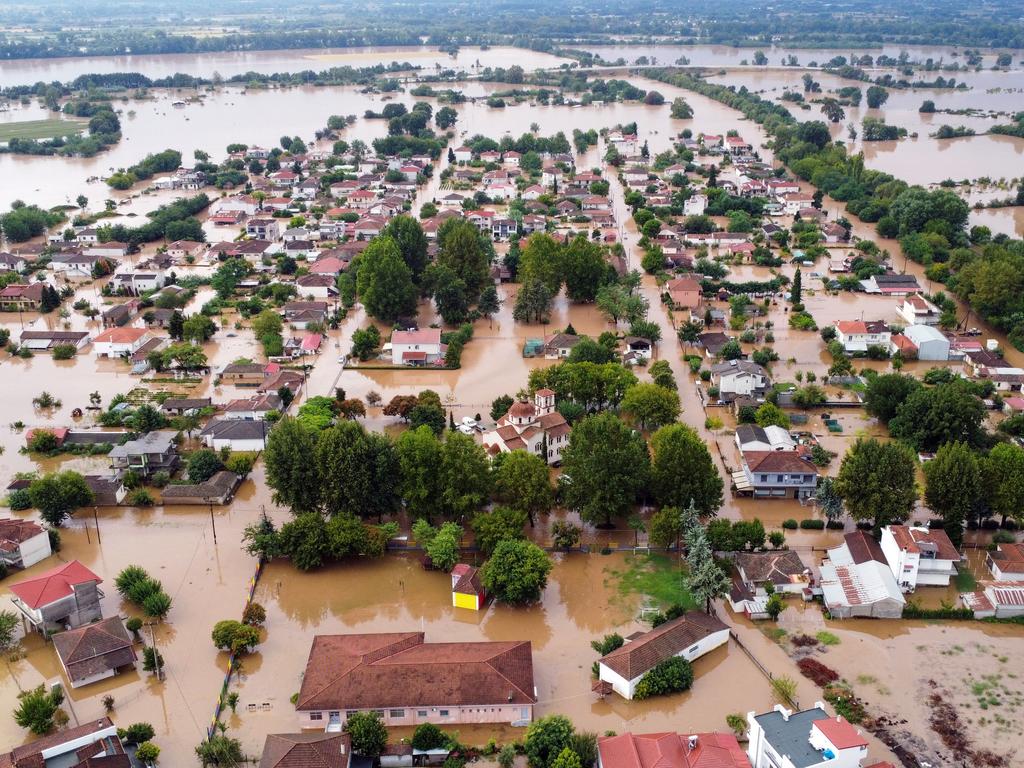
[19, 499]
[139, 733]
[817, 672]
[160, 479]
[428, 736]
[234, 636]
[669, 676]
[812, 525]
[140, 497]
[64, 351]
[133, 625]
[790, 524]
[148, 752]
[607, 644]
[240, 463]
[254, 615]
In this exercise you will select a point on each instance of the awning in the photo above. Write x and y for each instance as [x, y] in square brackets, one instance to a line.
[739, 479]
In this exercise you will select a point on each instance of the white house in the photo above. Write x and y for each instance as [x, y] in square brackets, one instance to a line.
[695, 205]
[750, 437]
[138, 283]
[120, 342]
[529, 426]
[11, 263]
[918, 555]
[463, 154]
[931, 343]
[417, 347]
[995, 599]
[1006, 562]
[691, 635]
[22, 543]
[856, 581]
[236, 434]
[792, 202]
[857, 335]
[917, 310]
[739, 378]
[807, 739]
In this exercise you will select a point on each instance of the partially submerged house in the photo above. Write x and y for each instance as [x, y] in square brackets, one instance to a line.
[410, 681]
[94, 744]
[918, 555]
[750, 437]
[146, 455]
[856, 581]
[808, 739]
[690, 636]
[64, 597]
[219, 490]
[754, 571]
[1006, 562]
[739, 378]
[670, 750]
[533, 427]
[307, 750]
[422, 347]
[467, 589]
[236, 434]
[23, 543]
[781, 474]
[995, 599]
[95, 652]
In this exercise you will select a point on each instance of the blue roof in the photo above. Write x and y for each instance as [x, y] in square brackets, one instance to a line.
[792, 737]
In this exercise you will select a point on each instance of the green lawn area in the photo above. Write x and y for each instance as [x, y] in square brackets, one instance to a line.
[655, 578]
[40, 129]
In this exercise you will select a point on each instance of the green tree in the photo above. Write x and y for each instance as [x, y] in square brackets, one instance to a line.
[541, 260]
[368, 734]
[651, 406]
[682, 470]
[198, 328]
[522, 481]
[203, 464]
[953, 487]
[1003, 478]
[412, 243]
[419, 456]
[234, 636]
[428, 736]
[465, 476]
[37, 707]
[669, 676]
[228, 275]
[533, 302]
[58, 494]
[796, 290]
[705, 578]
[461, 251]
[8, 624]
[828, 499]
[605, 466]
[384, 281]
[500, 406]
[932, 416]
[545, 740]
[665, 527]
[365, 342]
[567, 759]
[876, 96]
[290, 460]
[769, 414]
[876, 482]
[886, 393]
[516, 572]
[359, 471]
[583, 268]
[148, 753]
[220, 750]
[500, 524]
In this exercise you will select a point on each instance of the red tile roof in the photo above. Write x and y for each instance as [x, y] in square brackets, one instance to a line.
[121, 335]
[908, 538]
[777, 461]
[425, 336]
[671, 750]
[382, 670]
[53, 584]
[863, 548]
[13, 532]
[306, 750]
[661, 643]
[838, 731]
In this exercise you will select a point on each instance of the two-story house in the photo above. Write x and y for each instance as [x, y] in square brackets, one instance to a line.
[22, 543]
[63, 597]
[420, 347]
[146, 455]
[739, 378]
[857, 335]
[807, 739]
[777, 474]
[918, 555]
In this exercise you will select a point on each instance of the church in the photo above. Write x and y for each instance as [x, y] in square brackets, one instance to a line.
[535, 427]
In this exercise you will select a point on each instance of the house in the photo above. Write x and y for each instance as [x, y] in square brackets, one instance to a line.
[38, 341]
[776, 474]
[995, 599]
[1006, 562]
[917, 310]
[11, 263]
[794, 203]
[467, 591]
[691, 635]
[754, 571]
[146, 455]
[65, 596]
[106, 491]
[306, 750]
[421, 347]
[119, 314]
[739, 378]
[22, 543]
[236, 434]
[560, 345]
[119, 342]
[185, 249]
[891, 285]
[253, 408]
[670, 750]
[750, 437]
[856, 581]
[219, 489]
[243, 374]
[857, 335]
[317, 286]
[410, 681]
[138, 283]
[532, 427]
[95, 744]
[16, 297]
[75, 264]
[918, 555]
[807, 739]
[685, 292]
[179, 406]
[713, 342]
[931, 343]
[95, 652]
[263, 229]
[638, 350]
[695, 205]
[300, 314]
[463, 154]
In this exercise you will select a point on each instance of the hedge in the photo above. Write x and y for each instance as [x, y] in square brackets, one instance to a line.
[812, 525]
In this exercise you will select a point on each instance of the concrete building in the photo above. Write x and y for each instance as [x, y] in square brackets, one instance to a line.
[64, 597]
[807, 739]
[1007, 562]
[670, 750]
[22, 543]
[95, 652]
[919, 556]
[931, 343]
[530, 427]
[856, 581]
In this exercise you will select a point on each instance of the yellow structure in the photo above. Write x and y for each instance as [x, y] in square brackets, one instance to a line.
[467, 591]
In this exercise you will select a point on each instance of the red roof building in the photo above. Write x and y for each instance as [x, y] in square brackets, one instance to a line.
[66, 596]
[671, 750]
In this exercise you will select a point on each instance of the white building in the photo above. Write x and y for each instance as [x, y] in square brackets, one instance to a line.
[918, 556]
[995, 599]
[931, 343]
[690, 636]
[417, 347]
[528, 426]
[917, 310]
[22, 543]
[120, 342]
[236, 434]
[856, 581]
[750, 437]
[1006, 562]
[738, 378]
[695, 205]
[857, 335]
[807, 739]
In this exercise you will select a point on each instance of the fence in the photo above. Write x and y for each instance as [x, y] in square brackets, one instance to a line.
[232, 659]
[763, 669]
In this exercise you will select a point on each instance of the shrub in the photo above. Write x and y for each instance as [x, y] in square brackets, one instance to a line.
[803, 641]
[784, 688]
[254, 615]
[817, 672]
[234, 636]
[148, 752]
[845, 703]
[64, 351]
[669, 676]
[140, 497]
[428, 736]
[139, 733]
[790, 524]
[240, 463]
[737, 723]
[160, 479]
[19, 499]
[133, 625]
[827, 638]
[812, 525]
[157, 605]
[128, 578]
[152, 659]
[607, 644]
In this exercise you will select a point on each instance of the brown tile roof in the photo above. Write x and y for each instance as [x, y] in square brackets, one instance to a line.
[13, 532]
[661, 643]
[95, 648]
[1009, 557]
[382, 670]
[469, 582]
[910, 538]
[777, 461]
[306, 750]
[863, 548]
[19, 754]
[778, 567]
[671, 750]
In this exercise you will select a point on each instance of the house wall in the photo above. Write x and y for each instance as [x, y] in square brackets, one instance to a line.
[398, 350]
[35, 549]
[81, 682]
[83, 741]
[626, 688]
[460, 600]
[844, 758]
[1000, 575]
[740, 384]
[234, 445]
[439, 714]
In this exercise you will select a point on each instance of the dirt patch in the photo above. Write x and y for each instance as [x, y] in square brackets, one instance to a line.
[946, 721]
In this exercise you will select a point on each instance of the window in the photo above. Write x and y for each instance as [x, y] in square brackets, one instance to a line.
[378, 712]
[444, 713]
[421, 713]
[396, 713]
[316, 715]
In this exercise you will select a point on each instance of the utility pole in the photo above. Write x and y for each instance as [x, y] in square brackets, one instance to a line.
[156, 654]
[213, 521]
[96, 518]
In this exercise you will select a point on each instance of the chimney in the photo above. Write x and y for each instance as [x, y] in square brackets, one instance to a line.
[691, 743]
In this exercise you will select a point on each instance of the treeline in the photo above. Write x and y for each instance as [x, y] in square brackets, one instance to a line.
[174, 221]
[161, 162]
[104, 130]
[23, 222]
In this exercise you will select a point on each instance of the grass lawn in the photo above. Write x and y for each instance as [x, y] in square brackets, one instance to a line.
[657, 578]
[40, 129]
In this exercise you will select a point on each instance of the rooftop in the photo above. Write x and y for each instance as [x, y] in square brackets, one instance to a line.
[661, 643]
[306, 750]
[53, 585]
[791, 736]
[671, 750]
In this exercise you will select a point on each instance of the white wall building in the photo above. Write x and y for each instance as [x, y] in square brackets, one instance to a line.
[808, 739]
[919, 556]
